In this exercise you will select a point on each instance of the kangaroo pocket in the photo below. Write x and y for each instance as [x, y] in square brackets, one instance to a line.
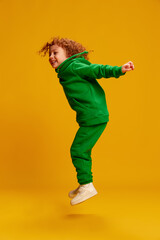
[79, 105]
[82, 105]
[85, 103]
[81, 100]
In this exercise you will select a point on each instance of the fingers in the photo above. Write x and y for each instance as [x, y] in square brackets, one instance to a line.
[131, 64]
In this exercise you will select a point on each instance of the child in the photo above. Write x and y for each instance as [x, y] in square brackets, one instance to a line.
[85, 96]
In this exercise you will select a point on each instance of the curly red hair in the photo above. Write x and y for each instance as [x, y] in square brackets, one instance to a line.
[72, 47]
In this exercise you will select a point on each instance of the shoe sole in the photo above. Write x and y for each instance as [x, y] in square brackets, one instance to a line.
[92, 194]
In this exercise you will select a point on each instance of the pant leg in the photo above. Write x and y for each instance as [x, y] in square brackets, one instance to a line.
[81, 148]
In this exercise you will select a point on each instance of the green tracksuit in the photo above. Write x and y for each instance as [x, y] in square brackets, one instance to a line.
[85, 96]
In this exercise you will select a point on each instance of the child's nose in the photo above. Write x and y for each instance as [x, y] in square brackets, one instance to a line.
[51, 56]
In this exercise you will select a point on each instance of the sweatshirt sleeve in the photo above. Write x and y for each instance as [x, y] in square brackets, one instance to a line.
[97, 70]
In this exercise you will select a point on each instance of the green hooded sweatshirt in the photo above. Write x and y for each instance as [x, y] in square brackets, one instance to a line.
[83, 92]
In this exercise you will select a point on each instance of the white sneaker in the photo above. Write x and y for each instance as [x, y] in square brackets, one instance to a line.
[85, 192]
[73, 193]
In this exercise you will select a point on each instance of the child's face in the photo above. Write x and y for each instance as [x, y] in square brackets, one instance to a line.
[57, 55]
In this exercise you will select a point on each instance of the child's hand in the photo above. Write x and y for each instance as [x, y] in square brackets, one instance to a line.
[127, 67]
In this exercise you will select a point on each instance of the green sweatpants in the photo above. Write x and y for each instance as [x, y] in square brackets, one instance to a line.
[81, 148]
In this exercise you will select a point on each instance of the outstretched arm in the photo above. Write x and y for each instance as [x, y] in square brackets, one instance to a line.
[98, 71]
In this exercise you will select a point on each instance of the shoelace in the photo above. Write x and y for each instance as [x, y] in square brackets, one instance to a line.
[82, 189]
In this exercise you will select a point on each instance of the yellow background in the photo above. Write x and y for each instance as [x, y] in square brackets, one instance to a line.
[37, 125]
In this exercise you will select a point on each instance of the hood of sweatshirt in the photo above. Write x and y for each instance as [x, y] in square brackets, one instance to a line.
[65, 63]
